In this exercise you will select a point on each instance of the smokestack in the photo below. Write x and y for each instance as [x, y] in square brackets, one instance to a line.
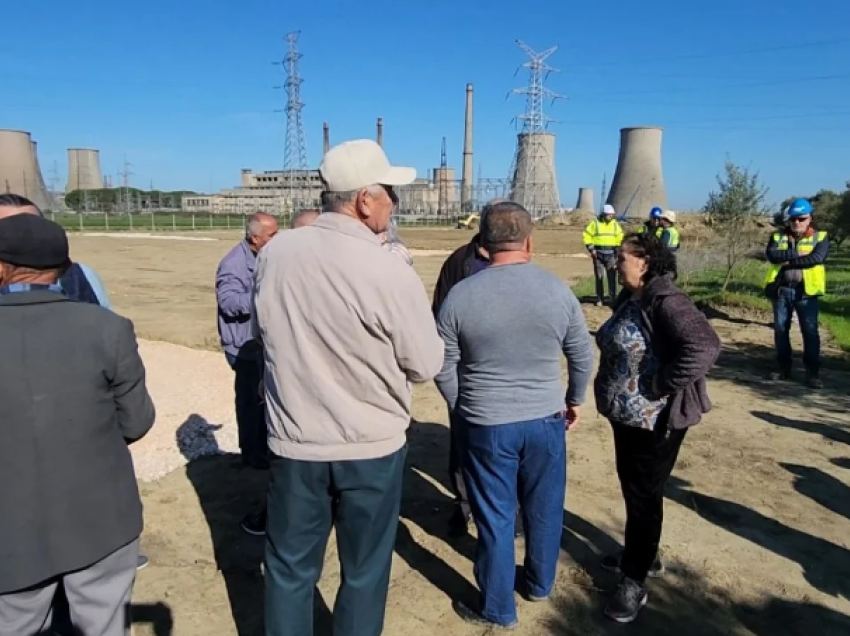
[585, 201]
[466, 170]
[83, 170]
[638, 184]
[381, 132]
[326, 136]
[19, 171]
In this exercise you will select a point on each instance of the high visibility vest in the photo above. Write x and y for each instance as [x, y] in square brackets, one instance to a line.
[814, 278]
[601, 235]
[673, 233]
[644, 228]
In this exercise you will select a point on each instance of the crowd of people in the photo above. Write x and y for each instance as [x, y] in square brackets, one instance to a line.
[326, 328]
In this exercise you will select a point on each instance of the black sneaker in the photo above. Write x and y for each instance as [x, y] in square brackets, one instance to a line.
[813, 381]
[255, 523]
[471, 616]
[142, 563]
[627, 603]
[611, 562]
[458, 523]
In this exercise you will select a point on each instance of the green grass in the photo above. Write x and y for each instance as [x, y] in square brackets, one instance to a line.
[747, 291]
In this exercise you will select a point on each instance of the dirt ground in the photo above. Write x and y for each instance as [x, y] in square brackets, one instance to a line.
[757, 518]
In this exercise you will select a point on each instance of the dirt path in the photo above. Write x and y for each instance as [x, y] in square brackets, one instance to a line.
[756, 530]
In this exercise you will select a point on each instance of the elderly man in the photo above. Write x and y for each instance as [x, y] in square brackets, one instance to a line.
[234, 285]
[502, 381]
[345, 329]
[73, 396]
[302, 218]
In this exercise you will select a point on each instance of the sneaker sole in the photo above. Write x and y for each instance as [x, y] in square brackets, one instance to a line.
[629, 619]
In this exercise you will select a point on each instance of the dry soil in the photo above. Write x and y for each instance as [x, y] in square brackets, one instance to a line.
[757, 517]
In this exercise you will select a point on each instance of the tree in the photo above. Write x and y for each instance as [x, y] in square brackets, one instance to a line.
[734, 210]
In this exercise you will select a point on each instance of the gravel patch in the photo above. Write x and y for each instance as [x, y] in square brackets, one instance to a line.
[193, 394]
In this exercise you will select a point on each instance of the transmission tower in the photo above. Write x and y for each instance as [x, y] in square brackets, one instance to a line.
[533, 179]
[443, 201]
[125, 175]
[295, 151]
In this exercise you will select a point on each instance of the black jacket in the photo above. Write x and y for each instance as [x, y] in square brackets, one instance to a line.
[72, 396]
[686, 345]
[457, 267]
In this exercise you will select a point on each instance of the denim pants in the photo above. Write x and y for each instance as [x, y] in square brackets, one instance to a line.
[525, 461]
[789, 300]
[362, 499]
[250, 412]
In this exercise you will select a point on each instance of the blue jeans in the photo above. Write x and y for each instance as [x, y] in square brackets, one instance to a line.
[530, 457]
[791, 299]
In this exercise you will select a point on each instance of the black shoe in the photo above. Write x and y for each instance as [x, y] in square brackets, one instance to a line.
[813, 381]
[459, 523]
[255, 523]
[473, 617]
[142, 563]
[611, 562]
[627, 603]
[781, 376]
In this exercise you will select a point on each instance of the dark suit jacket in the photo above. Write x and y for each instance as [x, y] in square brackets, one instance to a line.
[457, 267]
[72, 396]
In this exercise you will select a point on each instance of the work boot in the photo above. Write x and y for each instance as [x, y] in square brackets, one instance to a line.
[474, 617]
[813, 381]
[627, 603]
[611, 562]
[781, 376]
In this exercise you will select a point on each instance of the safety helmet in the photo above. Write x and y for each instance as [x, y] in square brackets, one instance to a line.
[800, 207]
[655, 213]
[608, 210]
[669, 215]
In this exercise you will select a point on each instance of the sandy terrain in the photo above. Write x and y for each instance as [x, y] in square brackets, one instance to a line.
[757, 519]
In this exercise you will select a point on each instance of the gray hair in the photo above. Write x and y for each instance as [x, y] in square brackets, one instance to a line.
[333, 201]
[300, 218]
[505, 227]
[255, 222]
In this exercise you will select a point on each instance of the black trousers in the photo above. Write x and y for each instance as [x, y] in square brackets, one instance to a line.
[250, 412]
[362, 499]
[604, 266]
[645, 460]
[456, 465]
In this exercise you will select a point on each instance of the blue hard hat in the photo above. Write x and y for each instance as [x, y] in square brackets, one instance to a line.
[800, 207]
[655, 213]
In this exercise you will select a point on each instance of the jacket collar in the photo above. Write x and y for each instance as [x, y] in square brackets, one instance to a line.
[344, 224]
[34, 297]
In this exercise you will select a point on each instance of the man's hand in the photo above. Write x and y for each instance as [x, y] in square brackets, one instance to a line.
[593, 255]
[573, 414]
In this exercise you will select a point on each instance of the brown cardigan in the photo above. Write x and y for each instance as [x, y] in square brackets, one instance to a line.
[686, 345]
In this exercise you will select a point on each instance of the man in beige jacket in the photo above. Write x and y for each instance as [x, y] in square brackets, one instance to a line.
[345, 330]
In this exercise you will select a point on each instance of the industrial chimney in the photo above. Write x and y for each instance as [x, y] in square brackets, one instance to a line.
[19, 172]
[585, 201]
[83, 170]
[466, 170]
[638, 184]
[326, 137]
[380, 138]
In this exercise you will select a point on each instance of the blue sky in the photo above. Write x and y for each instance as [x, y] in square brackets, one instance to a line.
[184, 89]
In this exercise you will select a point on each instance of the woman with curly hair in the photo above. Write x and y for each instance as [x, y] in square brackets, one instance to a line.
[656, 350]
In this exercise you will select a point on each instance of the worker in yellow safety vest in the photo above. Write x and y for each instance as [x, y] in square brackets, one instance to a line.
[654, 222]
[668, 232]
[795, 281]
[602, 238]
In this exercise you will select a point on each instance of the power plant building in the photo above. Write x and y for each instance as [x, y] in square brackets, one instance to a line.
[638, 184]
[19, 168]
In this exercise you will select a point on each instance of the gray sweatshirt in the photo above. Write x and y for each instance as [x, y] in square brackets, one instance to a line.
[505, 330]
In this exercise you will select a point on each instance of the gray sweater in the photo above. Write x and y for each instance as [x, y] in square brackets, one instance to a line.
[505, 330]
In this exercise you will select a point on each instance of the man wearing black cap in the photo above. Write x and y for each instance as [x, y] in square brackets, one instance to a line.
[72, 397]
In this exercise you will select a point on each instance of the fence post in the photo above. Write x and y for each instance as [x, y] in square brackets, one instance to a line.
[173, 223]
[211, 221]
[193, 220]
[130, 216]
[153, 222]
[228, 221]
[106, 220]
[81, 221]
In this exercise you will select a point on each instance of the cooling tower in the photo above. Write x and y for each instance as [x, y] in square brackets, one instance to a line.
[638, 183]
[585, 201]
[84, 170]
[534, 185]
[380, 134]
[326, 138]
[466, 171]
[19, 172]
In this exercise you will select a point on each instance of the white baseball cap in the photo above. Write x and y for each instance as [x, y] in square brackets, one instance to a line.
[353, 165]
[669, 215]
[609, 209]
